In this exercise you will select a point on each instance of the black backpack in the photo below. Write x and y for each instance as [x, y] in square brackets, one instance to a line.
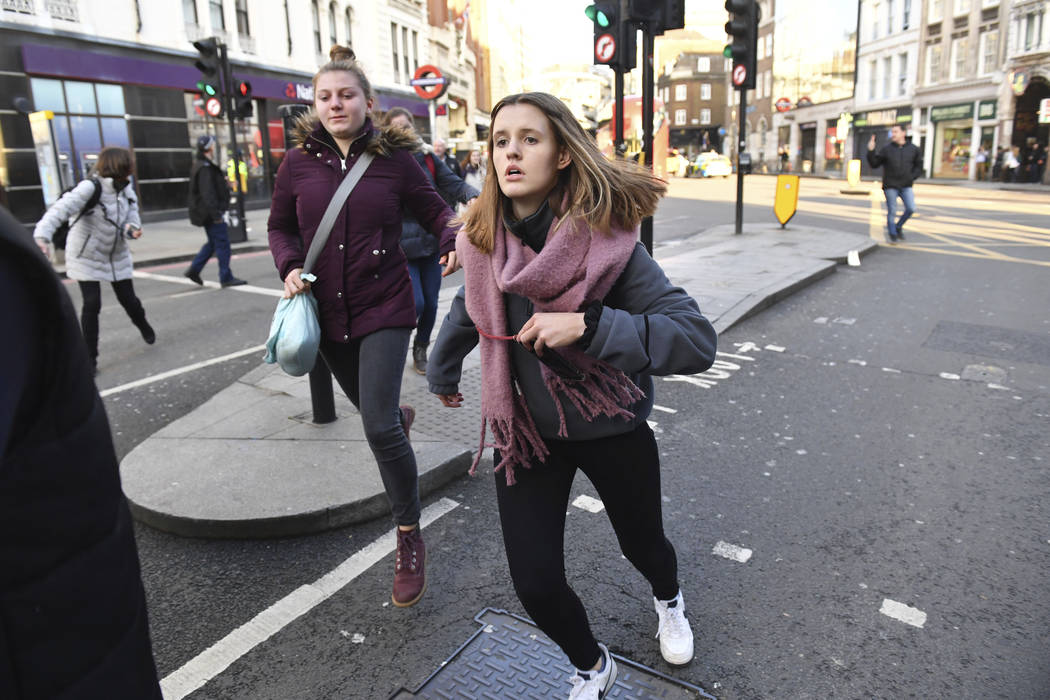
[62, 232]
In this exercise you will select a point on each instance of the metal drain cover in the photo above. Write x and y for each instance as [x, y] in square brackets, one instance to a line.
[510, 658]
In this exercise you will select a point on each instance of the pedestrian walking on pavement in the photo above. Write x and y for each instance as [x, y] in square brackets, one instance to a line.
[901, 162]
[209, 198]
[420, 247]
[363, 291]
[71, 597]
[474, 170]
[441, 151]
[104, 214]
[574, 318]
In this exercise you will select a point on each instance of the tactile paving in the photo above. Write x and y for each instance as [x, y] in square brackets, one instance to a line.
[509, 657]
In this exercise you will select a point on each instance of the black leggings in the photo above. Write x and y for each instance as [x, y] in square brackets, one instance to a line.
[91, 293]
[625, 470]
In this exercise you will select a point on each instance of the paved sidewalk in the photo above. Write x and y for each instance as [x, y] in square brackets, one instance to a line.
[249, 463]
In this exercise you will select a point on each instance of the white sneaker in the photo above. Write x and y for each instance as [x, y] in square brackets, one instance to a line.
[594, 685]
[676, 638]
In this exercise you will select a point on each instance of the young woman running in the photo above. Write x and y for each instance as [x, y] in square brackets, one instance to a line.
[364, 294]
[574, 319]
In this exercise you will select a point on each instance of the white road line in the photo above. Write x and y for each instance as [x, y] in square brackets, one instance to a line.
[589, 504]
[657, 407]
[731, 551]
[218, 657]
[180, 370]
[776, 348]
[903, 613]
[949, 375]
[179, 279]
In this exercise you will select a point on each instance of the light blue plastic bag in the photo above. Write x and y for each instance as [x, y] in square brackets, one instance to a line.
[295, 334]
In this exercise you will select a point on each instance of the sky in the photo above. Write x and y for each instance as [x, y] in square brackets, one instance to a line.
[564, 34]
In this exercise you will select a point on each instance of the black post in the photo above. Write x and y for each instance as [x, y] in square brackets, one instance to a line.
[741, 145]
[322, 395]
[647, 120]
[238, 229]
[617, 143]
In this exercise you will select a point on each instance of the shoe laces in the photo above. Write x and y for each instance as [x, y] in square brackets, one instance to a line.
[673, 620]
[580, 684]
[406, 551]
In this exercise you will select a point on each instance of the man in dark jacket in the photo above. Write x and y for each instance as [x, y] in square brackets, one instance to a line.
[209, 198]
[73, 618]
[901, 161]
[441, 151]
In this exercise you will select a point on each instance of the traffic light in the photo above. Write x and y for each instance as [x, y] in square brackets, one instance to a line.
[210, 83]
[661, 15]
[614, 39]
[242, 99]
[742, 29]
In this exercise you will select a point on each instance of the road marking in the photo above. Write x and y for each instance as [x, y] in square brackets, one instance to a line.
[731, 551]
[720, 369]
[249, 288]
[218, 657]
[949, 375]
[657, 407]
[903, 613]
[589, 504]
[180, 370]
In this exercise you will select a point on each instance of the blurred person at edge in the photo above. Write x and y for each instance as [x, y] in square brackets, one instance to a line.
[363, 289]
[420, 248]
[97, 245]
[441, 151]
[73, 621]
[474, 169]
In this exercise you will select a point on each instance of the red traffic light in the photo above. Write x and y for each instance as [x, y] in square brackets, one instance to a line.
[244, 88]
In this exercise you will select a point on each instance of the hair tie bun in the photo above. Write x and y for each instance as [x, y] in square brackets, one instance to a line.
[341, 53]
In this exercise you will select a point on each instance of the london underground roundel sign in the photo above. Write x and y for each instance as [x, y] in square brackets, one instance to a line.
[429, 83]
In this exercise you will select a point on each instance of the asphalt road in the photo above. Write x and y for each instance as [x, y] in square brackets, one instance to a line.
[834, 441]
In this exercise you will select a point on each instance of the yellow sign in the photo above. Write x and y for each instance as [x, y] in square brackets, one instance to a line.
[853, 173]
[786, 202]
[42, 116]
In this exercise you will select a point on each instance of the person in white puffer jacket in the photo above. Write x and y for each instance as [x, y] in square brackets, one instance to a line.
[96, 248]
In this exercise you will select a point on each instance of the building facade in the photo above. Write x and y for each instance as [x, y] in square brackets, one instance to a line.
[960, 72]
[117, 76]
[693, 93]
[1027, 81]
[887, 70]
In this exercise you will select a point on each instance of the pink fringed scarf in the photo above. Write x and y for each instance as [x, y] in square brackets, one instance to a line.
[575, 267]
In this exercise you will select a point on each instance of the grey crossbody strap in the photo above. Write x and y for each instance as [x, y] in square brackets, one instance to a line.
[334, 206]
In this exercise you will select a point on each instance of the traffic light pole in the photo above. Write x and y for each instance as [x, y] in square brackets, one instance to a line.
[618, 148]
[239, 231]
[648, 90]
[741, 145]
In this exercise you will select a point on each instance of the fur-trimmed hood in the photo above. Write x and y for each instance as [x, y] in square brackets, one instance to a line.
[382, 141]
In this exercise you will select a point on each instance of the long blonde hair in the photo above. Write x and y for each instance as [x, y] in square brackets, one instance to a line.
[600, 191]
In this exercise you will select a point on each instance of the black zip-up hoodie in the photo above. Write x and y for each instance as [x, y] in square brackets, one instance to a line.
[901, 164]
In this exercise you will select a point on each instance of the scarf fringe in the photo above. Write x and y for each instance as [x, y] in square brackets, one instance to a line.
[516, 438]
[605, 392]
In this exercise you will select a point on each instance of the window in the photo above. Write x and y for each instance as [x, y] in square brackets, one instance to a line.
[393, 50]
[679, 117]
[875, 21]
[349, 26]
[962, 7]
[703, 64]
[415, 51]
[218, 21]
[242, 18]
[936, 11]
[933, 64]
[760, 52]
[989, 51]
[404, 53]
[705, 91]
[727, 65]
[906, 20]
[1032, 25]
[769, 83]
[902, 74]
[331, 25]
[989, 3]
[887, 75]
[705, 116]
[889, 16]
[873, 69]
[958, 67]
[769, 44]
[189, 12]
[680, 92]
[317, 26]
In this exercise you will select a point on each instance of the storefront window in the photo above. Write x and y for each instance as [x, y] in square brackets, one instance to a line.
[47, 94]
[80, 98]
[951, 149]
[114, 132]
[832, 148]
[110, 99]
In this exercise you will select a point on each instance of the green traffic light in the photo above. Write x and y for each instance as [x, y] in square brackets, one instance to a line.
[597, 16]
[727, 51]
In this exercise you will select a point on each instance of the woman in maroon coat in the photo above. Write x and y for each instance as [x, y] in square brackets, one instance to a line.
[363, 291]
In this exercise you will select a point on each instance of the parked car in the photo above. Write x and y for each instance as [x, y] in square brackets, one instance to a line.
[710, 164]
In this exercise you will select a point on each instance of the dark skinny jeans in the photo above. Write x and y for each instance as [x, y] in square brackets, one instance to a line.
[369, 371]
[625, 470]
[91, 293]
